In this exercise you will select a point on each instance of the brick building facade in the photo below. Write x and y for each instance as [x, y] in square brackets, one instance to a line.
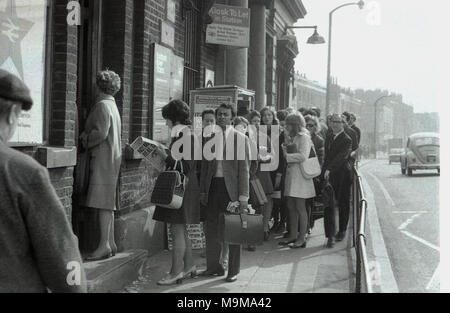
[85, 36]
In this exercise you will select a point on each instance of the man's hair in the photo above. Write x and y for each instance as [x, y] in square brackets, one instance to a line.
[208, 112]
[347, 116]
[226, 106]
[310, 112]
[6, 105]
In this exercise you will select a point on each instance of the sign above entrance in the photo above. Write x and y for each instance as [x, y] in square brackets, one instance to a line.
[230, 27]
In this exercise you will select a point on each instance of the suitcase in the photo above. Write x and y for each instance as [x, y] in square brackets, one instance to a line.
[243, 229]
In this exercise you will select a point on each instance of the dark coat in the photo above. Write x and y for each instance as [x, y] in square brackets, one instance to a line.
[358, 132]
[337, 152]
[36, 239]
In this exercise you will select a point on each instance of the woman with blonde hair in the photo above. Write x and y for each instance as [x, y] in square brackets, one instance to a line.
[102, 137]
[297, 149]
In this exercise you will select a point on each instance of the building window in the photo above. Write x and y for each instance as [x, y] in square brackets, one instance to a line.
[23, 41]
[193, 31]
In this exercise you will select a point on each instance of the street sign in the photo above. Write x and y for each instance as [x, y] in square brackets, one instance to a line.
[230, 27]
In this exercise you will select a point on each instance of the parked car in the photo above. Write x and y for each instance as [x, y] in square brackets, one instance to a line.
[421, 153]
[395, 155]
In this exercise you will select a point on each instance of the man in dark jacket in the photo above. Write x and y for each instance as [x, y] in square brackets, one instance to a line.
[353, 135]
[337, 170]
[38, 250]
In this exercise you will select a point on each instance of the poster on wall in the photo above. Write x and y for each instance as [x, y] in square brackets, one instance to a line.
[168, 77]
[171, 10]
[209, 78]
[230, 27]
[22, 52]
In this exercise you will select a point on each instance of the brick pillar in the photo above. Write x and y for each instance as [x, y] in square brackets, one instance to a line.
[64, 78]
[118, 54]
[141, 69]
[257, 52]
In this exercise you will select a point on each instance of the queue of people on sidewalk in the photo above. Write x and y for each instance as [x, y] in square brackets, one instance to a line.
[289, 196]
[38, 258]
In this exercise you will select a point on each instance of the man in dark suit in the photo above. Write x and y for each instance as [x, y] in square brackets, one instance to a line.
[353, 135]
[337, 170]
[353, 126]
[224, 180]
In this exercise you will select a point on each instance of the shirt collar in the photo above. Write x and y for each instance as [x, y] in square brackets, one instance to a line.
[335, 136]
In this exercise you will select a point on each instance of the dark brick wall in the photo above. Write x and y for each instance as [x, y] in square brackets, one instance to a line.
[63, 95]
[64, 78]
[118, 53]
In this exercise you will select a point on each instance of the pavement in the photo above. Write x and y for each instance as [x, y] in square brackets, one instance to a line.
[270, 269]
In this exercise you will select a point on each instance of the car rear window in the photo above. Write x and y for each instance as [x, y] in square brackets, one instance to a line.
[427, 141]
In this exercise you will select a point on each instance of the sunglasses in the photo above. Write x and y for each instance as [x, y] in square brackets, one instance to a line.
[310, 125]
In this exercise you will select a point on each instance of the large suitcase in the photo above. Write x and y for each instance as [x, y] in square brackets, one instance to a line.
[243, 229]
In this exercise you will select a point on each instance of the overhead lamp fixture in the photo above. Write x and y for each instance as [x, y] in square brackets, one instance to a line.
[315, 39]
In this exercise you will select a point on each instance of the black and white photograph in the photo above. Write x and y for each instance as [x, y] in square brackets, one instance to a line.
[235, 149]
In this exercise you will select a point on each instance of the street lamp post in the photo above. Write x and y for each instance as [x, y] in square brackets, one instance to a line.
[361, 6]
[375, 140]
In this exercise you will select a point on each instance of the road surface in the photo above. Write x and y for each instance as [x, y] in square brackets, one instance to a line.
[408, 213]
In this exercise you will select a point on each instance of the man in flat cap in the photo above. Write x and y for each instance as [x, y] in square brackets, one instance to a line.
[38, 250]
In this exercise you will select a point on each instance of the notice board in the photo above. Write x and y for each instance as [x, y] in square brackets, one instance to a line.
[168, 73]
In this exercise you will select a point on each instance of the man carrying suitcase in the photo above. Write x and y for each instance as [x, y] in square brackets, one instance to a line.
[223, 180]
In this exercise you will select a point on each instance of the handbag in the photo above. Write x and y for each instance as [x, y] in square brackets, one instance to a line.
[243, 229]
[310, 168]
[169, 189]
[257, 192]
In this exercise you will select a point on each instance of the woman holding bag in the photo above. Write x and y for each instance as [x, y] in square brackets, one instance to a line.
[297, 149]
[177, 114]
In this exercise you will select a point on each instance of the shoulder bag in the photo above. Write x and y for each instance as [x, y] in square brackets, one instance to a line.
[310, 168]
[169, 189]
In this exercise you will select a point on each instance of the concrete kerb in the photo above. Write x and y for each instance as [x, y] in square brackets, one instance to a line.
[386, 280]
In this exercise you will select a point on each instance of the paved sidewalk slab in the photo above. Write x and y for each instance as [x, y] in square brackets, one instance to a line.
[271, 269]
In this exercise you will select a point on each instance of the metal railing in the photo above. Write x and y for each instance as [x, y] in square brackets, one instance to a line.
[360, 206]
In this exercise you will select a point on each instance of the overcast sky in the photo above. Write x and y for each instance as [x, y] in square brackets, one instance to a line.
[404, 53]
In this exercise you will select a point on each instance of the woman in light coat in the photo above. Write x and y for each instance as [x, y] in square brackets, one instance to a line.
[297, 189]
[102, 136]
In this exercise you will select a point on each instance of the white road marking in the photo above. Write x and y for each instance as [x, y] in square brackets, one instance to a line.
[409, 212]
[407, 233]
[434, 281]
[409, 221]
[386, 280]
[383, 189]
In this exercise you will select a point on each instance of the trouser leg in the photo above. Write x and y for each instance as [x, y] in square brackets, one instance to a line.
[344, 207]
[303, 219]
[234, 264]
[330, 222]
[213, 246]
[293, 218]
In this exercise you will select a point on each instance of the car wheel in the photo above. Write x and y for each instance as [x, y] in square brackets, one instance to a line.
[403, 171]
[410, 171]
[439, 171]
